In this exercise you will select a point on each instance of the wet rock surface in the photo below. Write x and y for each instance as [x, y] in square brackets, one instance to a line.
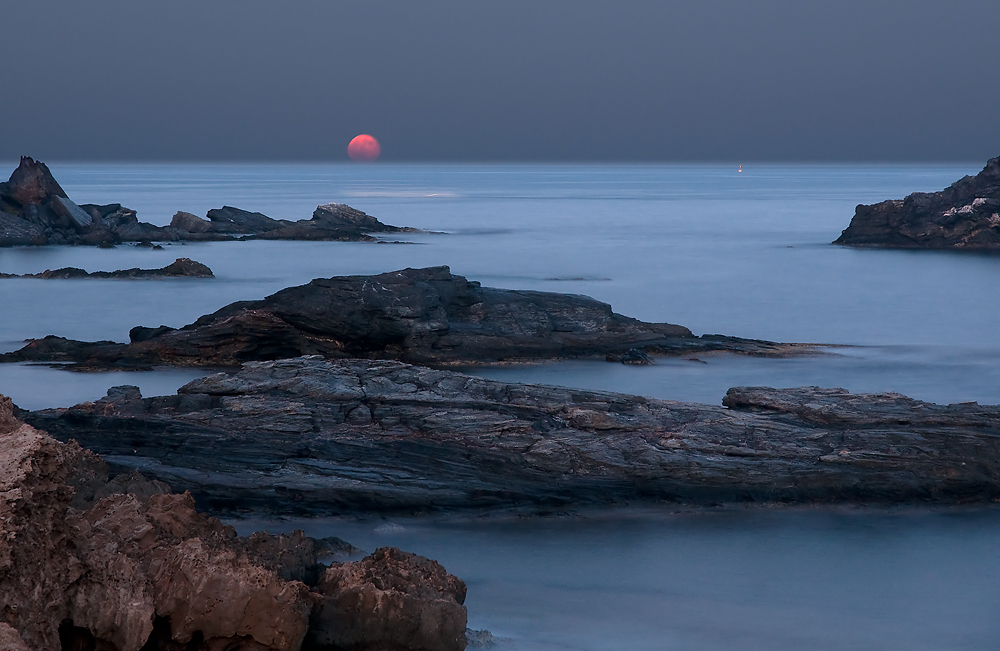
[86, 563]
[426, 316]
[35, 210]
[310, 435]
[965, 215]
[181, 267]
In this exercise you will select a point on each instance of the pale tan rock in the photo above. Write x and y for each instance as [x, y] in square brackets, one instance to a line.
[10, 640]
[390, 600]
[101, 568]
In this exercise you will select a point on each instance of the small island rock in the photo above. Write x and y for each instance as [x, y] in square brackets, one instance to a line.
[425, 316]
[34, 210]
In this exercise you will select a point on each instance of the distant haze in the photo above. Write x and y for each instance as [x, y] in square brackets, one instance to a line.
[518, 80]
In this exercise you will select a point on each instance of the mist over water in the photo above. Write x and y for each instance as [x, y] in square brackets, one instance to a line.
[707, 247]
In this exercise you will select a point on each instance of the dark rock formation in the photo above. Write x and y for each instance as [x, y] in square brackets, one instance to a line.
[330, 222]
[181, 267]
[966, 215]
[309, 435]
[35, 210]
[86, 565]
[427, 316]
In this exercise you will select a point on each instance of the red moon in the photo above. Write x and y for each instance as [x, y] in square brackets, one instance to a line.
[364, 147]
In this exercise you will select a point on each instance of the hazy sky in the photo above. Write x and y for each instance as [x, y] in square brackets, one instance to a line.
[573, 80]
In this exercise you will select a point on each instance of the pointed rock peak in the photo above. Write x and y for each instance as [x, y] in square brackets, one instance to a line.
[992, 168]
[32, 182]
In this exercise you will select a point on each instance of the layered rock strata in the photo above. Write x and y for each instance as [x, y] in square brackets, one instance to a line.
[35, 210]
[965, 215]
[426, 316]
[125, 565]
[179, 268]
[310, 435]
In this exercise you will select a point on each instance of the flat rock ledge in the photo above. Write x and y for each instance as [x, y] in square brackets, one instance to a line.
[126, 566]
[425, 316]
[179, 268]
[315, 436]
[965, 215]
[35, 210]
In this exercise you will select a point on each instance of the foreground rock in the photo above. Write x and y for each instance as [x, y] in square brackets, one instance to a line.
[427, 316]
[124, 565]
[179, 268]
[309, 435]
[966, 215]
[35, 210]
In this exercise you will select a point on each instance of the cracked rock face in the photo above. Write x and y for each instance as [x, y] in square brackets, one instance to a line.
[966, 215]
[310, 435]
[84, 564]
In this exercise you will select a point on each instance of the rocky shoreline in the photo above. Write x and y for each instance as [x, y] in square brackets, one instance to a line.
[179, 268]
[424, 316]
[965, 215]
[88, 563]
[35, 211]
[311, 436]
[339, 400]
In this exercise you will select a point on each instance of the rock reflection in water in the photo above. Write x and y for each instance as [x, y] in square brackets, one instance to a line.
[714, 580]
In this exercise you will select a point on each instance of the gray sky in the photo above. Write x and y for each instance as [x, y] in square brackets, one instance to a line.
[560, 80]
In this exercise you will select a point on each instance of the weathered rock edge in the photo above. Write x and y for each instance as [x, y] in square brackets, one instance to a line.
[179, 268]
[424, 316]
[965, 215]
[310, 435]
[35, 210]
[125, 565]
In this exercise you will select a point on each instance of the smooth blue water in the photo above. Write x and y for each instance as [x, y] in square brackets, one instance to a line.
[719, 251]
[822, 580]
[705, 246]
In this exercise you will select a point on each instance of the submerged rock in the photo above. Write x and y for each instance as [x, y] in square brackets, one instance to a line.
[427, 316]
[181, 267]
[965, 215]
[309, 435]
[125, 565]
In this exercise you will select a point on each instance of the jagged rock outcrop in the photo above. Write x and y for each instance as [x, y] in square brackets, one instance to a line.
[310, 435]
[427, 316]
[35, 210]
[85, 564]
[181, 267]
[965, 215]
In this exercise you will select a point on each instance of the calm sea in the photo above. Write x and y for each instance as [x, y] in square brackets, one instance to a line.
[717, 250]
